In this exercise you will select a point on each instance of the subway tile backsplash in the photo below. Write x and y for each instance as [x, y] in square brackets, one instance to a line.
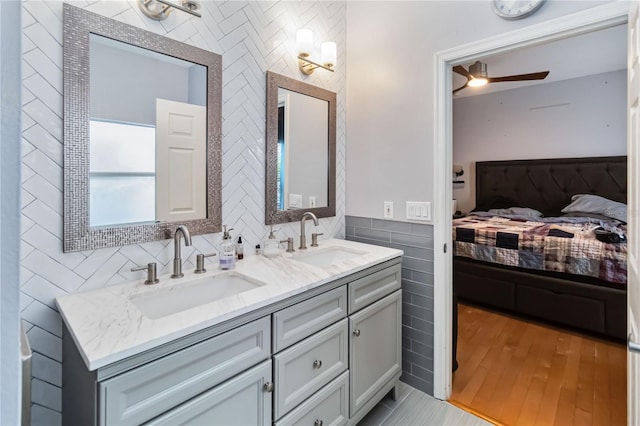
[416, 240]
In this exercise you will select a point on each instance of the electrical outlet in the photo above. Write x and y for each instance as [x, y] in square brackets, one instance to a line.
[312, 201]
[388, 209]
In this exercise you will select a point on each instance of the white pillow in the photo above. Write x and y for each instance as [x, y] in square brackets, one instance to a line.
[589, 203]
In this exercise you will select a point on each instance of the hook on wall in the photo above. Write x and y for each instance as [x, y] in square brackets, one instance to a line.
[161, 9]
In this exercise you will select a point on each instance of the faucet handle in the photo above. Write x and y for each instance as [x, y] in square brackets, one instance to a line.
[151, 269]
[289, 242]
[314, 239]
[200, 262]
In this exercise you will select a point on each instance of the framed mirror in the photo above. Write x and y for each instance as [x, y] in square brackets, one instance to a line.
[142, 134]
[301, 150]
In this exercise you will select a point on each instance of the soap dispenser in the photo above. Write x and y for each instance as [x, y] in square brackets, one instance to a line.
[227, 250]
[271, 246]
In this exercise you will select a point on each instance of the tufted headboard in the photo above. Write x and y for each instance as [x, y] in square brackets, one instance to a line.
[547, 185]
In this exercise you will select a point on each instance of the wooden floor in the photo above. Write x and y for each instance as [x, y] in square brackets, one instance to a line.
[518, 372]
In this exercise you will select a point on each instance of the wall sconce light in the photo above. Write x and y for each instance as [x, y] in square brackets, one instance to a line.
[304, 45]
[457, 172]
[161, 9]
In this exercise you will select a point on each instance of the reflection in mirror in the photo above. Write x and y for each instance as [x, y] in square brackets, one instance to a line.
[142, 134]
[303, 151]
[136, 93]
[300, 159]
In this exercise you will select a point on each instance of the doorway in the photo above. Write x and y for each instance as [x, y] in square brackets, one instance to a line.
[608, 15]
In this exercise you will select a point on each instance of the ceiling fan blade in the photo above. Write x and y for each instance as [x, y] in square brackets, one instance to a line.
[460, 70]
[459, 89]
[520, 77]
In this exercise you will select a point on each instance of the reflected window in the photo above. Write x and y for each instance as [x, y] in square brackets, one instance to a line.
[122, 173]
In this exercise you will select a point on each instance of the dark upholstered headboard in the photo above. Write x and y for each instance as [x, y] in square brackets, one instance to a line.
[547, 185]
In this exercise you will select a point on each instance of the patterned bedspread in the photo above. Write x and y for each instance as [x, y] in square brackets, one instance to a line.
[561, 247]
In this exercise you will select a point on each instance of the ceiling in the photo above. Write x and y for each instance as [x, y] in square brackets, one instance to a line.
[592, 53]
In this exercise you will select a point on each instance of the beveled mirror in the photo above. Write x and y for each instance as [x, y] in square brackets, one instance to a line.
[301, 150]
[142, 134]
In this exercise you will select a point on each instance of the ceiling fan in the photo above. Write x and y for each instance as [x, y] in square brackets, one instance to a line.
[477, 76]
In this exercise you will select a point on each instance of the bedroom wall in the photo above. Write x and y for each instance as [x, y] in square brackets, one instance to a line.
[580, 117]
[252, 37]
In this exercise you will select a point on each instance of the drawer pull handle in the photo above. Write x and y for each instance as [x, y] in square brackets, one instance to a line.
[268, 387]
[317, 364]
[318, 423]
[356, 332]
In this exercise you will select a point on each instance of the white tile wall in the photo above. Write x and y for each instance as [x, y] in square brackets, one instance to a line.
[252, 37]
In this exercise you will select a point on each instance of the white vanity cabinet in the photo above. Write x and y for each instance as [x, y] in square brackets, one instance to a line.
[324, 356]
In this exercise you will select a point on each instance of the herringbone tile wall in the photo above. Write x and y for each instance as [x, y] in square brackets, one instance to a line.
[252, 37]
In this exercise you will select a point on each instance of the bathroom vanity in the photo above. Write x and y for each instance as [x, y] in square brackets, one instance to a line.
[313, 337]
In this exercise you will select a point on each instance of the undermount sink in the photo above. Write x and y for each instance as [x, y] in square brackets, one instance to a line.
[182, 296]
[325, 257]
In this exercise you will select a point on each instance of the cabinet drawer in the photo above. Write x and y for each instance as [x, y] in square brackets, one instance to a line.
[299, 321]
[585, 313]
[373, 287]
[309, 365]
[240, 401]
[329, 406]
[141, 394]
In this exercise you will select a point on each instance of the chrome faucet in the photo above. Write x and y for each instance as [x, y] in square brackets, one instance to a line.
[181, 230]
[303, 237]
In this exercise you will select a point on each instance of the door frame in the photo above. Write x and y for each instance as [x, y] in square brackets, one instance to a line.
[589, 20]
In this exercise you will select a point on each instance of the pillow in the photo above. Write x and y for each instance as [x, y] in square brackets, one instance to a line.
[519, 211]
[595, 216]
[589, 203]
[497, 202]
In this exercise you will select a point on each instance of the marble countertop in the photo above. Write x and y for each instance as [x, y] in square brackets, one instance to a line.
[107, 327]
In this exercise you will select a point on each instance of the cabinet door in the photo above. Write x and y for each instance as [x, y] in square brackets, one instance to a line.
[375, 348]
[243, 400]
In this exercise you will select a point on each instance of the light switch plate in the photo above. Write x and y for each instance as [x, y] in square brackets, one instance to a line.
[312, 201]
[295, 201]
[388, 209]
[419, 210]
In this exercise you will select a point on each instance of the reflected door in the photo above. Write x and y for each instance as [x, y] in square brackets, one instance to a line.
[181, 154]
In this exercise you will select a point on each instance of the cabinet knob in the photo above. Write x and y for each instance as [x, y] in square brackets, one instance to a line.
[356, 332]
[318, 423]
[268, 387]
[317, 364]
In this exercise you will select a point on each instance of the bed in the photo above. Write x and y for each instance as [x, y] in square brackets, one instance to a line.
[590, 296]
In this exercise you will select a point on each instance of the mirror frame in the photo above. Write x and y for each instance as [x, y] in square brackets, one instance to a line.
[78, 234]
[272, 214]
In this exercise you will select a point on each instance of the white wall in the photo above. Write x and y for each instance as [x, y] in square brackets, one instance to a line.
[10, 385]
[391, 47]
[581, 117]
[125, 84]
[308, 151]
[252, 37]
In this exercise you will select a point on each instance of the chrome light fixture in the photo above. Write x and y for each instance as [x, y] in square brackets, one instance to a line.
[304, 45]
[161, 9]
[478, 72]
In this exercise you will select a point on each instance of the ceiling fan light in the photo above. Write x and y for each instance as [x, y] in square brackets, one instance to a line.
[477, 82]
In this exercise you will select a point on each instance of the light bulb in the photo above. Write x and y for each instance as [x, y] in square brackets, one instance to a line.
[304, 42]
[328, 52]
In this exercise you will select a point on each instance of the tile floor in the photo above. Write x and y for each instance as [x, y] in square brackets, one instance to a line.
[414, 407]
